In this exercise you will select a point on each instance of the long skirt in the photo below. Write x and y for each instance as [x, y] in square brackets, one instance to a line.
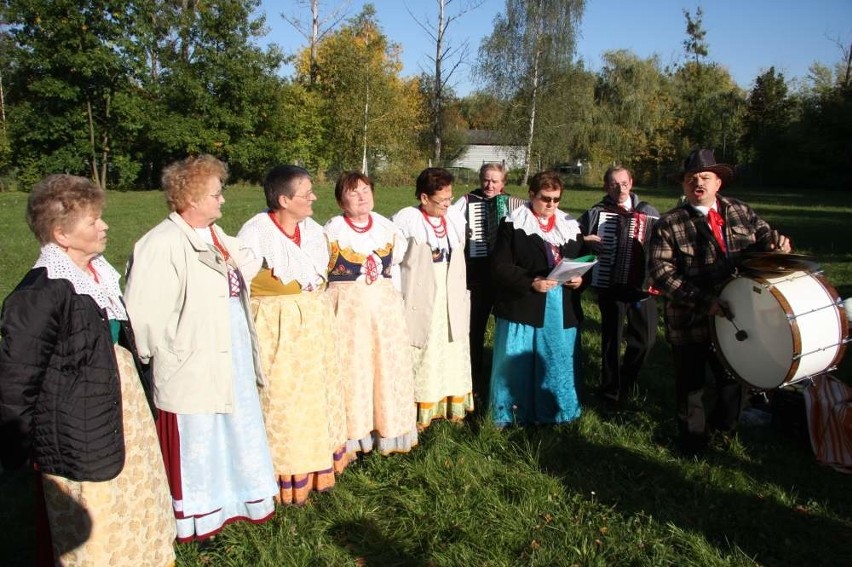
[372, 341]
[303, 403]
[443, 387]
[219, 466]
[534, 371]
[126, 520]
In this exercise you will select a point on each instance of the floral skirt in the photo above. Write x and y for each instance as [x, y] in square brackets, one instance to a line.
[126, 520]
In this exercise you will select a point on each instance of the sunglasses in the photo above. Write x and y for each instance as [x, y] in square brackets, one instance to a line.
[554, 200]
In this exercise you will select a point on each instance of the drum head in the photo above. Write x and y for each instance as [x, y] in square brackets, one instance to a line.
[764, 357]
[785, 327]
[777, 263]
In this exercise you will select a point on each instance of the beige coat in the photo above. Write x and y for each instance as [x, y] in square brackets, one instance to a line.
[418, 290]
[178, 299]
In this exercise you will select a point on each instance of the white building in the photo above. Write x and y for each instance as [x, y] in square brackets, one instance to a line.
[482, 147]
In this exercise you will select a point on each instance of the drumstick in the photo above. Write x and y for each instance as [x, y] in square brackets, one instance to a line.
[740, 335]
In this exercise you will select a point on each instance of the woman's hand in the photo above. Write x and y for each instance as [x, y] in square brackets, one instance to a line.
[543, 285]
[574, 283]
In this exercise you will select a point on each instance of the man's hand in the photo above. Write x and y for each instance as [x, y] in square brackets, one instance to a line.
[594, 242]
[719, 308]
[780, 243]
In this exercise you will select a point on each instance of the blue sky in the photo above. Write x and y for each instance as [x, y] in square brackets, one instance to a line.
[745, 36]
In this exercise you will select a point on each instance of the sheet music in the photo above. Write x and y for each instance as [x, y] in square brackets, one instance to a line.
[569, 269]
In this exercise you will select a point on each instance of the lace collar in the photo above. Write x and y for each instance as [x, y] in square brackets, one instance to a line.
[106, 291]
[564, 230]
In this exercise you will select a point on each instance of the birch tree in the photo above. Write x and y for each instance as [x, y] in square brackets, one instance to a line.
[533, 42]
[447, 58]
[316, 30]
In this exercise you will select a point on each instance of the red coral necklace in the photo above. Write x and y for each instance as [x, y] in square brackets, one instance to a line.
[296, 237]
[359, 229]
[547, 225]
[440, 229]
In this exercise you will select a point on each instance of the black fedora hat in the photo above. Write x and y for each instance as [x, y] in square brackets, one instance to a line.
[703, 160]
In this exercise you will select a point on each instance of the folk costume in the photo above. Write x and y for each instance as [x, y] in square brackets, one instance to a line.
[304, 401]
[620, 304]
[74, 400]
[537, 357]
[478, 249]
[189, 301]
[372, 337]
[437, 312]
[688, 265]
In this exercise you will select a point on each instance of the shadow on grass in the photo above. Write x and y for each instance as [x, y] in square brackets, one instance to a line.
[697, 496]
[363, 540]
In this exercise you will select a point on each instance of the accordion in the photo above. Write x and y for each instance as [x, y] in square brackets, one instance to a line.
[483, 218]
[621, 260]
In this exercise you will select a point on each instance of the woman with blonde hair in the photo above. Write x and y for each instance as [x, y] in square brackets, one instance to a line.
[186, 292]
[72, 398]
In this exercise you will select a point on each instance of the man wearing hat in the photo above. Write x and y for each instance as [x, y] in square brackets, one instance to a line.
[694, 248]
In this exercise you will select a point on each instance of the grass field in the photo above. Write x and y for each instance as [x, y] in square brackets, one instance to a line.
[609, 489]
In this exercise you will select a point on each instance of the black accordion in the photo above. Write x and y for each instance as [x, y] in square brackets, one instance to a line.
[621, 260]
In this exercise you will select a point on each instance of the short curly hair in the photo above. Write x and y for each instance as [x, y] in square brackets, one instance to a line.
[183, 181]
[60, 200]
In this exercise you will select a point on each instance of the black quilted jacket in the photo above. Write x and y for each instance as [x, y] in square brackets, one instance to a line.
[60, 394]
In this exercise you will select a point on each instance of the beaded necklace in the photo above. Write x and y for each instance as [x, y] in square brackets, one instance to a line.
[359, 229]
[296, 237]
[547, 225]
[440, 229]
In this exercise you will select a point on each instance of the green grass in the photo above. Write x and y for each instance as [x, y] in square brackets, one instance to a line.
[608, 489]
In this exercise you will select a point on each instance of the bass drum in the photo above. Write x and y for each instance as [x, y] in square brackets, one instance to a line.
[783, 328]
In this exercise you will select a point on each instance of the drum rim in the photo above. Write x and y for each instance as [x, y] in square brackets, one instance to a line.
[794, 327]
[841, 315]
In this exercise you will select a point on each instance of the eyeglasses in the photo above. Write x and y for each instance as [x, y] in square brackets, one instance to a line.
[443, 202]
[554, 200]
[219, 195]
[624, 185]
[307, 195]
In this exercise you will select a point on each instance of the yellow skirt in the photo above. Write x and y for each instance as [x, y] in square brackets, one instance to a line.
[124, 521]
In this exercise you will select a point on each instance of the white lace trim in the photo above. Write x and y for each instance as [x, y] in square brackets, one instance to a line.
[106, 292]
[564, 230]
[306, 264]
[413, 225]
[381, 234]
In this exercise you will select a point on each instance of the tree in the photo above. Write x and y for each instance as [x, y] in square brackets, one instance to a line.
[371, 116]
[768, 118]
[532, 43]
[708, 100]
[695, 43]
[318, 29]
[445, 55]
[215, 91]
[635, 118]
[70, 88]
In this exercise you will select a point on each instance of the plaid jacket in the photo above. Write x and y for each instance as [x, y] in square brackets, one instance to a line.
[688, 268]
